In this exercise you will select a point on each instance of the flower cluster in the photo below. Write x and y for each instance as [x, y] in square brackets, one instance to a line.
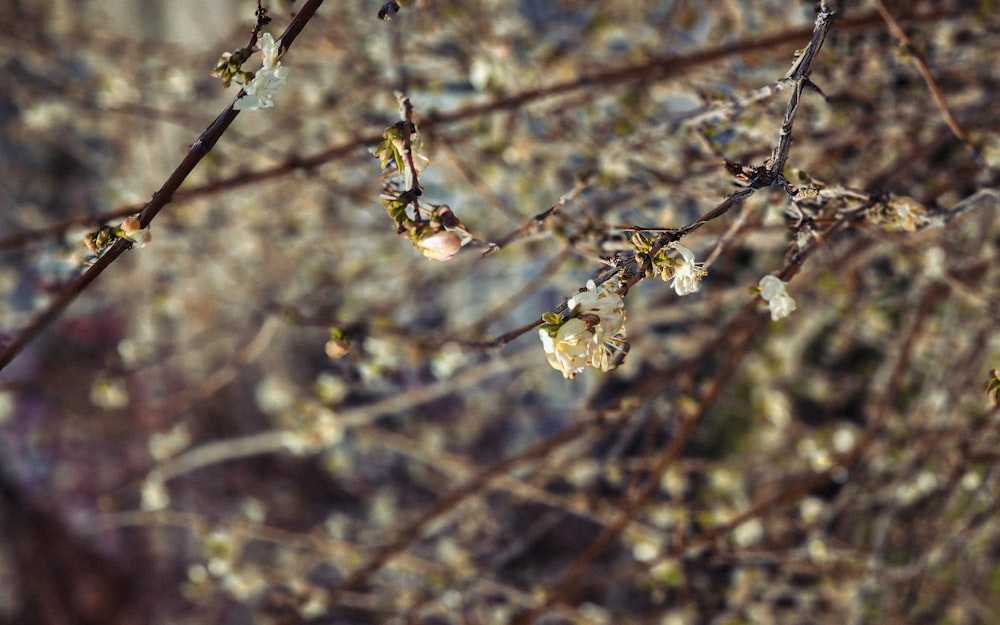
[592, 334]
[261, 86]
[772, 291]
[683, 273]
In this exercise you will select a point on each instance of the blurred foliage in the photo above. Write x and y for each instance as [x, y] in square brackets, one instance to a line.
[278, 411]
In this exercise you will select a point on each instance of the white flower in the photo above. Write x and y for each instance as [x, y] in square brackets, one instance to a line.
[268, 79]
[603, 311]
[604, 304]
[154, 493]
[688, 275]
[440, 245]
[772, 291]
[591, 336]
[569, 350]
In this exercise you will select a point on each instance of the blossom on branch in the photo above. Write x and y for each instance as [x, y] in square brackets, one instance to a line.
[132, 230]
[266, 82]
[441, 245]
[568, 351]
[687, 274]
[603, 310]
[593, 334]
[772, 291]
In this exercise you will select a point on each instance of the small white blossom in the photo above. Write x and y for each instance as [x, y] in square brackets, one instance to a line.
[605, 304]
[772, 291]
[268, 79]
[154, 493]
[686, 277]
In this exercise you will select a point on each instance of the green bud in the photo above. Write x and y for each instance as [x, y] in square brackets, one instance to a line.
[552, 319]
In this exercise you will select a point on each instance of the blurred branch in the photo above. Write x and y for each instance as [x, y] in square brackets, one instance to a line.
[411, 532]
[161, 198]
[274, 441]
[939, 98]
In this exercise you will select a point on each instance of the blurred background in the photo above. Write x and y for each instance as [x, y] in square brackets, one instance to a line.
[180, 447]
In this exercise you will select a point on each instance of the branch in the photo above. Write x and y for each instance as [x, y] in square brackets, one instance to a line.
[161, 198]
[799, 75]
[939, 99]
[657, 69]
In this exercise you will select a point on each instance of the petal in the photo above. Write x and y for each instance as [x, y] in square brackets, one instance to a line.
[685, 253]
[770, 287]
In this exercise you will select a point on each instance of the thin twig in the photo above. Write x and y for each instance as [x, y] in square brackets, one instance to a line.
[799, 76]
[939, 98]
[198, 150]
[273, 441]
[678, 65]
[411, 532]
[536, 222]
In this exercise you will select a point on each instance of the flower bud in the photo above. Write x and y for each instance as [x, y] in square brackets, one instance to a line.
[337, 348]
[440, 245]
[132, 230]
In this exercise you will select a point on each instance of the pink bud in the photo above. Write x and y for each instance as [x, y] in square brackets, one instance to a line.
[131, 224]
[132, 230]
[336, 348]
[439, 245]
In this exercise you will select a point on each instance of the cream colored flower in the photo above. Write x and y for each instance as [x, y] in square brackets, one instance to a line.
[604, 304]
[772, 291]
[686, 277]
[260, 91]
[592, 335]
[569, 350]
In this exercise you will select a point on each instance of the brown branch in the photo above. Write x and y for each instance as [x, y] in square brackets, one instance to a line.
[411, 531]
[536, 222]
[761, 177]
[939, 98]
[658, 69]
[161, 198]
